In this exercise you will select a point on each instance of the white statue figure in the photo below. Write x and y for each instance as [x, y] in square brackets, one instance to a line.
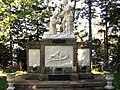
[53, 21]
[68, 18]
[52, 28]
[67, 23]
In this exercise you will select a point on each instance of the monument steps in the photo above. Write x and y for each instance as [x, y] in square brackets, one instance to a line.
[97, 83]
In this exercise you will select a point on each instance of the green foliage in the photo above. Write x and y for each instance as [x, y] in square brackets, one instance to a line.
[117, 80]
[21, 21]
[29, 13]
[97, 50]
[3, 83]
[11, 69]
[4, 54]
[110, 16]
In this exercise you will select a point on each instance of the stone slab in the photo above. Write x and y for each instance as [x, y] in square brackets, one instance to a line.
[58, 56]
[34, 57]
[83, 57]
[33, 51]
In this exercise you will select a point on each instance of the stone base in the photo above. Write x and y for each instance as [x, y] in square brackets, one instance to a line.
[53, 77]
[60, 70]
[11, 88]
[87, 75]
[84, 69]
[83, 84]
[59, 77]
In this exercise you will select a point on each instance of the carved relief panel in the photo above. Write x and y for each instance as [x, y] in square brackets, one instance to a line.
[58, 56]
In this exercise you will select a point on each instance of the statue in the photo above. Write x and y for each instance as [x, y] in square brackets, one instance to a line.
[52, 30]
[66, 23]
[68, 18]
[53, 21]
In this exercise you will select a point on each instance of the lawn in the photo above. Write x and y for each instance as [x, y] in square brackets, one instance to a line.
[3, 83]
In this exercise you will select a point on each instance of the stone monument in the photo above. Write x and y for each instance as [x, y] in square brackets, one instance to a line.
[55, 57]
[59, 50]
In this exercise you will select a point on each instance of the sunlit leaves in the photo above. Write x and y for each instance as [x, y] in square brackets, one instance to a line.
[5, 23]
[2, 7]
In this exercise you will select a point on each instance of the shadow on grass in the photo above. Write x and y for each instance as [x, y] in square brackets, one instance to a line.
[3, 83]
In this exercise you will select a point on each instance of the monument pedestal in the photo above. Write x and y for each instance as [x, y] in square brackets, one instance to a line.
[58, 59]
[58, 56]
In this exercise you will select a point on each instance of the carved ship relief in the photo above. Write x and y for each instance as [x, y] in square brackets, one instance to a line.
[59, 56]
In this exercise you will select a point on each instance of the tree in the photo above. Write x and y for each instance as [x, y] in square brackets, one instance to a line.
[22, 21]
[110, 18]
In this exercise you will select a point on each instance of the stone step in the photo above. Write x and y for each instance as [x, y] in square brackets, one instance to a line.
[96, 88]
[83, 84]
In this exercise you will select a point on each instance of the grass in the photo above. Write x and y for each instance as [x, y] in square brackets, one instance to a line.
[3, 83]
[117, 80]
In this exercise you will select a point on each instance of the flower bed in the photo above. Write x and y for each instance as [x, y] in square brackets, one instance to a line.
[9, 68]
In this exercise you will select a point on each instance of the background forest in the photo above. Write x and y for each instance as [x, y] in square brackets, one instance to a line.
[22, 21]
